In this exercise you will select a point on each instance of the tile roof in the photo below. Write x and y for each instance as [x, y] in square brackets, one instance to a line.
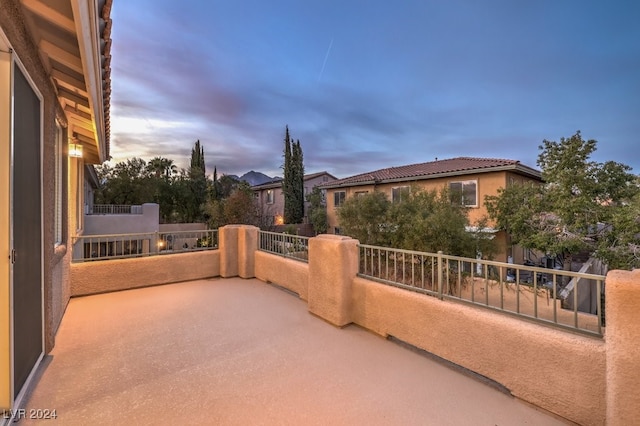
[435, 169]
[277, 182]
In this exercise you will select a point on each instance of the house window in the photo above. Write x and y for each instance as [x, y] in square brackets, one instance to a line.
[270, 196]
[337, 231]
[338, 198]
[325, 178]
[361, 193]
[58, 156]
[464, 193]
[398, 192]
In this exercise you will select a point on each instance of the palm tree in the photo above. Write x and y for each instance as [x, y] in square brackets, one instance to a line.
[161, 166]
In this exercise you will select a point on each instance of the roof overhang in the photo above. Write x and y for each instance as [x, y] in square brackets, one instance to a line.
[73, 38]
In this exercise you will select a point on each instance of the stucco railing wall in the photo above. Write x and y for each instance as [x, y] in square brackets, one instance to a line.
[124, 274]
[587, 380]
[287, 273]
[584, 379]
[622, 307]
[559, 371]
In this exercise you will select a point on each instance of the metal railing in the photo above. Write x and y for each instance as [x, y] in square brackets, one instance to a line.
[291, 246]
[119, 246]
[528, 292]
[114, 209]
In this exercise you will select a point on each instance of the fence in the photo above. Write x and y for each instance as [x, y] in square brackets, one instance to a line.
[118, 246]
[529, 292]
[114, 209]
[292, 246]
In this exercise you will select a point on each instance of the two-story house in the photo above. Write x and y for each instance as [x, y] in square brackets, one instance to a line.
[271, 198]
[472, 178]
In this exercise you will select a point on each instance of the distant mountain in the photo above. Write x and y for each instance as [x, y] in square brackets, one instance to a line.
[255, 178]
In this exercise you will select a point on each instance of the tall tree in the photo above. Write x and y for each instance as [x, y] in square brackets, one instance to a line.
[297, 164]
[197, 185]
[293, 180]
[583, 206]
[127, 182]
[287, 179]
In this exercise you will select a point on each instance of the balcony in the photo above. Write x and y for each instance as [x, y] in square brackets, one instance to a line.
[236, 351]
[224, 346]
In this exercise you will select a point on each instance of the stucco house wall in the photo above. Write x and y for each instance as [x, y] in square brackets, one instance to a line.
[488, 183]
[103, 224]
[275, 209]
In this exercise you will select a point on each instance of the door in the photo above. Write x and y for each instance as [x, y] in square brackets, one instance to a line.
[26, 287]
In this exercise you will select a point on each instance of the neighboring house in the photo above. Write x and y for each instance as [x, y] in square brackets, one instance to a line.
[271, 199]
[54, 119]
[472, 178]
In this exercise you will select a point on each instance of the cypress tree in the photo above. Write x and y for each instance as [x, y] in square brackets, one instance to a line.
[198, 183]
[298, 182]
[287, 181]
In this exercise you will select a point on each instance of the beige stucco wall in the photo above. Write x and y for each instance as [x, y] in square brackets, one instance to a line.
[488, 184]
[623, 347]
[55, 258]
[290, 274]
[333, 263]
[558, 371]
[122, 274]
[228, 244]
[179, 227]
[102, 224]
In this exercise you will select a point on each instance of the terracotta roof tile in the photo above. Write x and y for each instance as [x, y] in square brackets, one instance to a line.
[432, 169]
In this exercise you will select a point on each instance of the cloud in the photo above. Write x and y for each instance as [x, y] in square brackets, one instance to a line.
[494, 84]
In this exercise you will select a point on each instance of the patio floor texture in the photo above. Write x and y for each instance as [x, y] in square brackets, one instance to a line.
[242, 352]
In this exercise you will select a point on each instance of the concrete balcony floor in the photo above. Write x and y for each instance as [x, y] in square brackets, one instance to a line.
[238, 352]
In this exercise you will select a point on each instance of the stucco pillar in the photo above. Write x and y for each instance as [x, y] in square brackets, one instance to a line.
[333, 264]
[622, 309]
[247, 246]
[228, 246]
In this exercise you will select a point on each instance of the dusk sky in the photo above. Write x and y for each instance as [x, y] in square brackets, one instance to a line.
[371, 84]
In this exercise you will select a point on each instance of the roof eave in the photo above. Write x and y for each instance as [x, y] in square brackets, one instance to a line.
[87, 21]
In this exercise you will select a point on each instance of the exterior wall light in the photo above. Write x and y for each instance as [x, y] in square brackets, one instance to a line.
[75, 150]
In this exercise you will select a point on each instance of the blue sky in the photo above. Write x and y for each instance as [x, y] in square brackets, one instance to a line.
[372, 84]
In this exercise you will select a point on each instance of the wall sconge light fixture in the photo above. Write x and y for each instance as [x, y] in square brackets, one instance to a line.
[75, 150]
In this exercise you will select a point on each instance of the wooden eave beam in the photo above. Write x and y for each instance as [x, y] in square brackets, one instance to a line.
[51, 15]
[73, 97]
[66, 58]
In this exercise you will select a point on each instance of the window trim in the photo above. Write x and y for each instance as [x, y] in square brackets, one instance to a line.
[59, 143]
[343, 198]
[400, 188]
[463, 183]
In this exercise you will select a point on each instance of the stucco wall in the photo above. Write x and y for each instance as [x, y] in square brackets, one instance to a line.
[12, 24]
[122, 274]
[623, 347]
[102, 224]
[290, 274]
[179, 227]
[558, 371]
[333, 263]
